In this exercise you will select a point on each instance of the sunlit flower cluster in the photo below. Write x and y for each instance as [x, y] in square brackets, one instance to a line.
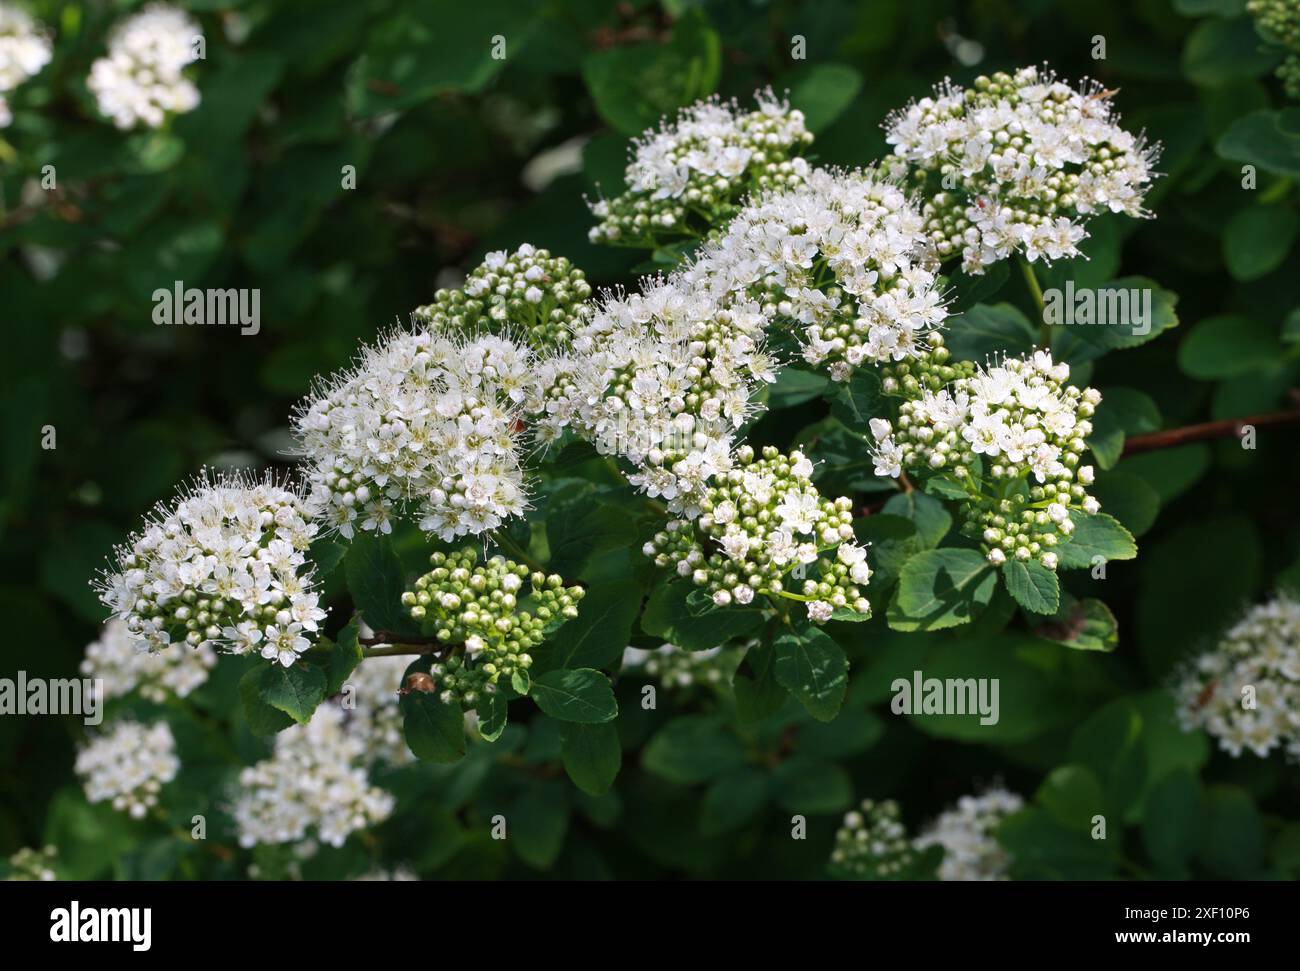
[224, 564]
[693, 174]
[315, 782]
[1018, 163]
[873, 844]
[968, 835]
[424, 424]
[1246, 691]
[1012, 436]
[676, 667]
[25, 48]
[1279, 21]
[128, 765]
[664, 378]
[762, 530]
[488, 609]
[840, 260]
[126, 664]
[142, 79]
[528, 294]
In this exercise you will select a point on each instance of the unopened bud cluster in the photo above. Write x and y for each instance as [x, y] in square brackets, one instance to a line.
[224, 565]
[693, 174]
[1279, 21]
[760, 522]
[676, 667]
[968, 835]
[528, 294]
[1246, 691]
[30, 864]
[872, 844]
[483, 607]
[1012, 435]
[128, 765]
[1017, 163]
[127, 665]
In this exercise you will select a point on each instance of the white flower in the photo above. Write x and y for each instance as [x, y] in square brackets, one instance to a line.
[128, 765]
[967, 834]
[25, 49]
[125, 665]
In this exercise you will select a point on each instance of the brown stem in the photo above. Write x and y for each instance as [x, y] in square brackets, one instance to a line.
[1233, 427]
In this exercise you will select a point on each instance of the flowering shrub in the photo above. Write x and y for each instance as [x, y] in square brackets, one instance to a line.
[648, 448]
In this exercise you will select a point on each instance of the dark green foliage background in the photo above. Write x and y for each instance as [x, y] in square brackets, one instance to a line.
[245, 192]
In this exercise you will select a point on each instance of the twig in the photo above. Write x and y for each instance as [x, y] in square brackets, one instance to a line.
[1228, 427]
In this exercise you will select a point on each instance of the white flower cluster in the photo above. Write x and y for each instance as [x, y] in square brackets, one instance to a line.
[30, 864]
[1017, 163]
[1013, 435]
[692, 174]
[399, 873]
[873, 844]
[223, 565]
[371, 700]
[760, 521]
[315, 781]
[664, 379]
[1246, 691]
[142, 79]
[967, 834]
[842, 261]
[126, 664]
[25, 48]
[421, 419]
[676, 667]
[128, 765]
[529, 293]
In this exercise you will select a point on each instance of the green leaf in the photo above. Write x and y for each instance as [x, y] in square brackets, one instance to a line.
[261, 717]
[634, 86]
[1095, 535]
[295, 690]
[668, 615]
[581, 695]
[822, 92]
[1072, 795]
[984, 331]
[597, 636]
[802, 785]
[376, 582]
[1129, 312]
[581, 528]
[1258, 239]
[1267, 139]
[1171, 821]
[858, 400]
[757, 692]
[592, 755]
[1227, 346]
[1033, 586]
[1122, 412]
[693, 748]
[1131, 500]
[733, 800]
[813, 668]
[931, 518]
[1221, 51]
[521, 681]
[434, 730]
[1084, 625]
[1109, 743]
[493, 714]
[1232, 841]
[795, 386]
[344, 656]
[941, 588]
[537, 823]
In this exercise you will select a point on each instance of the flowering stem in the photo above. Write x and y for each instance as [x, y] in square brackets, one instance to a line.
[1036, 291]
[386, 644]
[1233, 427]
